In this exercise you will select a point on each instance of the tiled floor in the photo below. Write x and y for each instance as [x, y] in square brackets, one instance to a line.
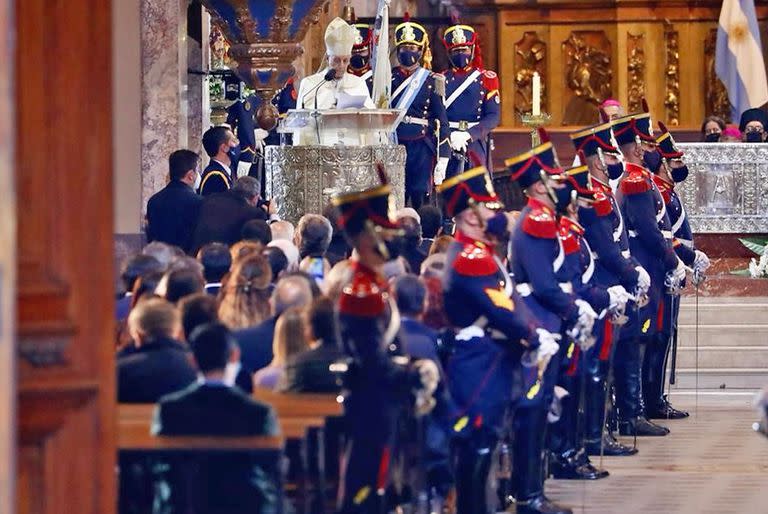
[711, 463]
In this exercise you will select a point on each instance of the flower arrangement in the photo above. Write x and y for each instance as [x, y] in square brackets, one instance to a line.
[758, 268]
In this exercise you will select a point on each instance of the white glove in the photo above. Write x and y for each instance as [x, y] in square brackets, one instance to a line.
[678, 273]
[259, 134]
[701, 261]
[587, 316]
[643, 280]
[618, 298]
[459, 140]
[440, 167]
[548, 346]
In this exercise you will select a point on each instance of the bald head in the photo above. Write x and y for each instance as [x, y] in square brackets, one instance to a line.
[293, 291]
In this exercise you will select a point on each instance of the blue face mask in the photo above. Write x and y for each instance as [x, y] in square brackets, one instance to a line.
[408, 57]
[652, 161]
[614, 171]
[234, 153]
[358, 62]
[460, 59]
[679, 174]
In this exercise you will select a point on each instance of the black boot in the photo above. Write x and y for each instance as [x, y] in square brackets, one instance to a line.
[472, 466]
[574, 465]
[665, 411]
[610, 447]
[529, 427]
[641, 427]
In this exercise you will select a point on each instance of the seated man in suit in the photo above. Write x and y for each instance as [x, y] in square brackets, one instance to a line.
[232, 484]
[216, 261]
[256, 342]
[416, 339]
[309, 371]
[159, 364]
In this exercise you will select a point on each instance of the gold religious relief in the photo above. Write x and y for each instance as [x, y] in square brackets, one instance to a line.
[530, 57]
[588, 76]
[635, 71]
[219, 49]
[715, 95]
[672, 75]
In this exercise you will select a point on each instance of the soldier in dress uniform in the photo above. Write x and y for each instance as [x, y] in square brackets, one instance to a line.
[223, 148]
[360, 61]
[490, 341]
[423, 125]
[378, 387]
[471, 100]
[284, 100]
[671, 169]
[570, 459]
[606, 234]
[240, 116]
[650, 242]
[537, 263]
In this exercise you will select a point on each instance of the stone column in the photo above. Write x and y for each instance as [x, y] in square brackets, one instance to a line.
[163, 89]
[195, 83]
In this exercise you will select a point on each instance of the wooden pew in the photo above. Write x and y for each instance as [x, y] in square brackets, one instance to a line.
[296, 405]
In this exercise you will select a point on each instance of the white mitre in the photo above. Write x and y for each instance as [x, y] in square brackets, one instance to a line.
[339, 37]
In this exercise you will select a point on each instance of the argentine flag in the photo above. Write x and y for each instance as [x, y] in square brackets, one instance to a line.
[739, 58]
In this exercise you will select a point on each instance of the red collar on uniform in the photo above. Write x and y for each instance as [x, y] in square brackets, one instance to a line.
[463, 71]
[637, 168]
[464, 239]
[538, 205]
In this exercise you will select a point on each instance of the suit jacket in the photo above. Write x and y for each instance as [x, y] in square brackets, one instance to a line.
[222, 216]
[226, 483]
[256, 345]
[417, 340]
[172, 214]
[308, 371]
[415, 257]
[153, 370]
[216, 179]
[215, 410]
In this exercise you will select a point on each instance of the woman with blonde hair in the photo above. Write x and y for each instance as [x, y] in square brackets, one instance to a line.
[245, 296]
[290, 340]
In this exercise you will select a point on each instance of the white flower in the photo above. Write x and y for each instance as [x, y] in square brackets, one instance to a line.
[753, 271]
[762, 266]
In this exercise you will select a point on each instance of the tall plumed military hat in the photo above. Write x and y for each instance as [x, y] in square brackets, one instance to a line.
[596, 138]
[634, 128]
[753, 115]
[364, 37]
[410, 32]
[666, 144]
[526, 168]
[464, 190]
[459, 35]
[369, 208]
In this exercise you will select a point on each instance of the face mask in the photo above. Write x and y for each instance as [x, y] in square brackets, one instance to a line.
[234, 153]
[408, 57]
[679, 174]
[754, 137]
[563, 199]
[614, 171]
[460, 59]
[652, 161]
[358, 62]
[198, 180]
[496, 225]
[712, 138]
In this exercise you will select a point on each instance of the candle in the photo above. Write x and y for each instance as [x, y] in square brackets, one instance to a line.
[536, 94]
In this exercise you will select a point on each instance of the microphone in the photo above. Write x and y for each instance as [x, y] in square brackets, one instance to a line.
[329, 75]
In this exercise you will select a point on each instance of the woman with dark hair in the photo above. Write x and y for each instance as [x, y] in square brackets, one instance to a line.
[245, 295]
[712, 128]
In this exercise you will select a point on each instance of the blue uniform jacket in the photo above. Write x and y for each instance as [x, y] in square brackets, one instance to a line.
[607, 237]
[476, 295]
[681, 229]
[580, 265]
[478, 106]
[427, 105]
[240, 116]
[538, 267]
[215, 179]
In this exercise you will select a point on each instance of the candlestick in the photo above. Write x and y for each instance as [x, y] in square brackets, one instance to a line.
[534, 121]
[536, 111]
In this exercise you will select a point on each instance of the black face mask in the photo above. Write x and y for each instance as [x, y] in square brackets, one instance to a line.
[712, 138]
[460, 59]
[754, 137]
[563, 199]
[358, 62]
[408, 57]
[614, 171]
[652, 161]
[679, 174]
[496, 226]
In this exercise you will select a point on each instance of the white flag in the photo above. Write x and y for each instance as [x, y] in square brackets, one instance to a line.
[382, 71]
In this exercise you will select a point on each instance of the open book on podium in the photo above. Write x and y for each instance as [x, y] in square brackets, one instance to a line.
[349, 127]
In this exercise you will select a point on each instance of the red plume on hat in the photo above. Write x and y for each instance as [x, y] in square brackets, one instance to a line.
[406, 17]
[645, 105]
[477, 60]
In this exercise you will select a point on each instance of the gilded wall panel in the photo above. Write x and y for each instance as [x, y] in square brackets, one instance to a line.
[588, 75]
[530, 57]
[716, 97]
[635, 71]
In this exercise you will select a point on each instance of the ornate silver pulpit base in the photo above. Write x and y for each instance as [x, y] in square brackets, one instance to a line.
[303, 178]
